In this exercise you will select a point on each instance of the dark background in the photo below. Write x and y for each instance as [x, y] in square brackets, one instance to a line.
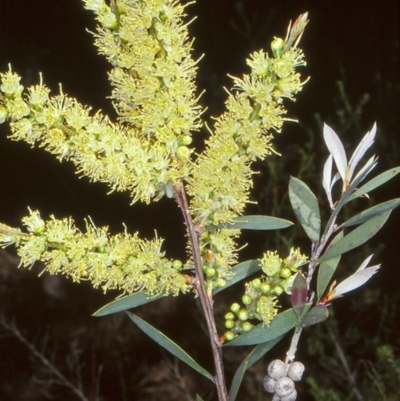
[355, 42]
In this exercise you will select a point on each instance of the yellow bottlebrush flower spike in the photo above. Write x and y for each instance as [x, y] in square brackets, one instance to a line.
[123, 261]
[147, 150]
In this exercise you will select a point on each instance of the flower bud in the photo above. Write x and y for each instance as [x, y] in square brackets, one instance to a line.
[235, 307]
[277, 369]
[295, 371]
[284, 386]
[277, 46]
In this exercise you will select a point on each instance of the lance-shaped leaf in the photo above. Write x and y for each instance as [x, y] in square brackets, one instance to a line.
[327, 269]
[305, 206]
[336, 149]
[281, 324]
[240, 272]
[371, 212]
[165, 342]
[316, 315]
[258, 352]
[125, 303]
[299, 294]
[362, 147]
[361, 276]
[374, 183]
[357, 237]
[256, 223]
[327, 181]
[198, 398]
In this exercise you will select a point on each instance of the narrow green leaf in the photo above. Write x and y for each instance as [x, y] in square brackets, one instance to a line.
[280, 325]
[374, 183]
[165, 342]
[371, 212]
[257, 223]
[241, 271]
[125, 303]
[327, 269]
[237, 379]
[316, 315]
[299, 294]
[198, 398]
[357, 237]
[257, 353]
[305, 206]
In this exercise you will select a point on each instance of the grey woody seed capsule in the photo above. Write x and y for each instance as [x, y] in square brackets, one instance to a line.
[295, 371]
[277, 369]
[284, 386]
[290, 397]
[269, 384]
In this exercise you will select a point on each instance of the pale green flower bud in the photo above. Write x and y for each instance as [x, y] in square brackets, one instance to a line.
[277, 46]
[183, 153]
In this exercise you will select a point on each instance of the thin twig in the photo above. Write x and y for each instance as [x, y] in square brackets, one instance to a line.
[206, 302]
[345, 364]
[44, 360]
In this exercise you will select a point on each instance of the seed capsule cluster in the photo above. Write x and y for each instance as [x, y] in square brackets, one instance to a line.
[281, 379]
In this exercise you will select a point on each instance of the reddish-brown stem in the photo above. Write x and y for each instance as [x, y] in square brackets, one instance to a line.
[206, 302]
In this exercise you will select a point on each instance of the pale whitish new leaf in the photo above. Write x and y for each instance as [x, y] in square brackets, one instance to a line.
[363, 146]
[326, 179]
[125, 303]
[257, 223]
[374, 183]
[258, 352]
[368, 167]
[165, 342]
[356, 237]
[240, 272]
[336, 149]
[305, 206]
[371, 212]
[281, 324]
[316, 315]
[356, 280]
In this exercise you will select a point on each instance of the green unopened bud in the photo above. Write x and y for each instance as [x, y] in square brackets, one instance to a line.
[246, 326]
[177, 264]
[210, 272]
[229, 316]
[265, 288]
[229, 324]
[185, 140]
[229, 336]
[256, 283]
[243, 314]
[277, 46]
[235, 307]
[277, 290]
[182, 153]
[285, 272]
[247, 299]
